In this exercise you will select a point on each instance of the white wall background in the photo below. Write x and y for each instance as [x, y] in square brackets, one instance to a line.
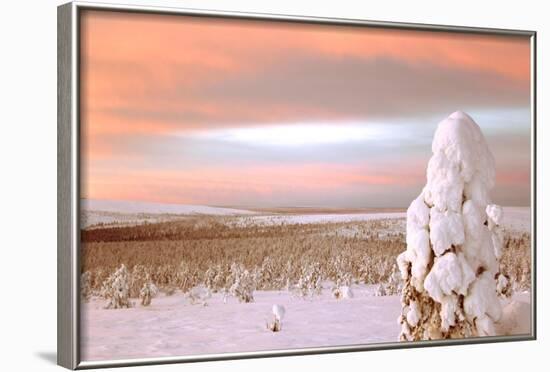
[28, 183]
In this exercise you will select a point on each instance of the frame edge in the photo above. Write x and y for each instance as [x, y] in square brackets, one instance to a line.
[66, 356]
[68, 212]
[275, 17]
[534, 187]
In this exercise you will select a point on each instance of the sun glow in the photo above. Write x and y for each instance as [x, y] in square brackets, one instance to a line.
[295, 135]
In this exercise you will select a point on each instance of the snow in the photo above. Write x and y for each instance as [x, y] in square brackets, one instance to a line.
[446, 229]
[494, 212]
[129, 212]
[450, 274]
[413, 315]
[107, 212]
[420, 254]
[314, 218]
[482, 298]
[517, 219]
[418, 215]
[278, 311]
[135, 207]
[461, 159]
[516, 316]
[448, 312]
[347, 292]
[172, 326]
[117, 289]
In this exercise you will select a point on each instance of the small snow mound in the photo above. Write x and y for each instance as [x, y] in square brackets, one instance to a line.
[278, 311]
[275, 324]
[515, 320]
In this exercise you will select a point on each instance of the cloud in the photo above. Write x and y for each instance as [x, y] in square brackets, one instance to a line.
[365, 88]
[193, 111]
[193, 72]
[316, 88]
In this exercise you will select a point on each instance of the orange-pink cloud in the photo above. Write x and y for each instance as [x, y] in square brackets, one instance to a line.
[153, 76]
[208, 184]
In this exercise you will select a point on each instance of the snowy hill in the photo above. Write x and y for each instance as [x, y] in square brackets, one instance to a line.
[134, 207]
[107, 212]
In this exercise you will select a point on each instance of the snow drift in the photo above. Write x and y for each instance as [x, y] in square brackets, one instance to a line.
[454, 240]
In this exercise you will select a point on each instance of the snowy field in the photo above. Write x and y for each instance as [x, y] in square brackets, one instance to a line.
[120, 206]
[517, 219]
[172, 326]
[94, 212]
[314, 218]
[108, 212]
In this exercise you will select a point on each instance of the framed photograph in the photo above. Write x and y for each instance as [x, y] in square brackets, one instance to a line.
[236, 185]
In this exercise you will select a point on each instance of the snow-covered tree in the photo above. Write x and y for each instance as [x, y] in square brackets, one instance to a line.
[199, 295]
[342, 277]
[380, 290]
[346, 292]
[454, 241]
[243, 283]
[138, 279]
[309, 283]
[288, 275]
[393, 285]
[147, 292]
[270, 274]
[365, 270]
[215, 278]
[116, 289]
[390, 286]
[98, 277]
[187, 276]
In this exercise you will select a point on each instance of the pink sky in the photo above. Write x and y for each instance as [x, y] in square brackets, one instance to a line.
[231, 112]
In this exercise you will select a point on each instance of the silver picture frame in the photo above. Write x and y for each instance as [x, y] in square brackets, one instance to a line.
[68, 170]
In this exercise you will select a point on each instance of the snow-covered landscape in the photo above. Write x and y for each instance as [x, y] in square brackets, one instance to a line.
[174, 325]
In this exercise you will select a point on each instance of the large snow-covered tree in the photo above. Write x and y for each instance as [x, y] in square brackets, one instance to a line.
[454, 241]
